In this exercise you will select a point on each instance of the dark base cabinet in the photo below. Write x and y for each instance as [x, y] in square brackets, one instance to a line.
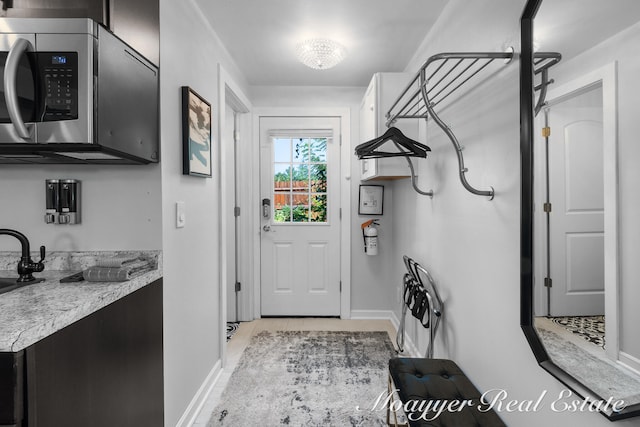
[104, 370]
[11, 388]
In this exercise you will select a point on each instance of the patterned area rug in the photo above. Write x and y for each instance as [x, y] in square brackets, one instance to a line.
[590, 328]
[232, 328]
[307, 378]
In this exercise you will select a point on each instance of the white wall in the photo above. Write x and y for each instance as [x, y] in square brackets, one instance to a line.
[115, 214]
[189, 56]
[306, 96]
[471, 245]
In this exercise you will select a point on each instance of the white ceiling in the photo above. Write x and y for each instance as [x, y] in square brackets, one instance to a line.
[379, 35]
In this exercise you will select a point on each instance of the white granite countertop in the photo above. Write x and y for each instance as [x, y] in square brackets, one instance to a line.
[33, 312]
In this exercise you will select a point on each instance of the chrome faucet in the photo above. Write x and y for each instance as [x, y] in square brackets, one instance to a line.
[26, 266]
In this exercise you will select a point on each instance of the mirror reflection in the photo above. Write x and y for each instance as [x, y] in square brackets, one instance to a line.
[586, 232]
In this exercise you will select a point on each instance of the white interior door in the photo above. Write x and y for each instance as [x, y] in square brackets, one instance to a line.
[576, 188]
[300, 223]
[231, 249]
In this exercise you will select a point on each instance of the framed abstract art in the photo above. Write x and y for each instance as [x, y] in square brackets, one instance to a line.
[196, 134]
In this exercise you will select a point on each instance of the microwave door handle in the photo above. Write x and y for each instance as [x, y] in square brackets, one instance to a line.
[10, 86]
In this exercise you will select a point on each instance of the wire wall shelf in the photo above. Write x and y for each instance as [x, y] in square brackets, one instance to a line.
[441, 76]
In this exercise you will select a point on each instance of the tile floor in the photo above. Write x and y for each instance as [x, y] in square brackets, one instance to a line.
[246, 330]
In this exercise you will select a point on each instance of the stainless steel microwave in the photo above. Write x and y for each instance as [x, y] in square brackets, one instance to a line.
[72, 92]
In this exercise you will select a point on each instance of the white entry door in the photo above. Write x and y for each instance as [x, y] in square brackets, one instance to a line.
[576, 188]
[300, 216]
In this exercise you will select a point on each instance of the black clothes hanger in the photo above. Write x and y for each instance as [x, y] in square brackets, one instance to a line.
[405, 145]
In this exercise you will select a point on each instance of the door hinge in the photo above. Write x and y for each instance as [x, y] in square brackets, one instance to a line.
[341, 286]
[340, 211]
[546, 132]
[547, 207]
[238, 287]
[548, 283]
[236, 211]
[340, 139]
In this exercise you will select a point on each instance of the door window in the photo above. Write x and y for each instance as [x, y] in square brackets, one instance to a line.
[300, 180]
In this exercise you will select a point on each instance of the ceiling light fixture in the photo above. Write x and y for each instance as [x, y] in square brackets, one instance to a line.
[320, 54]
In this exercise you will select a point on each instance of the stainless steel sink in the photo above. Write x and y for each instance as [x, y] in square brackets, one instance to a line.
[10, 283]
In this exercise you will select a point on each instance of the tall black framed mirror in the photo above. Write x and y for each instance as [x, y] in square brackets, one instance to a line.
[580, 237]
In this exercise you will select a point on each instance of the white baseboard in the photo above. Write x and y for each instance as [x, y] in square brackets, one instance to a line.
[195, 406]
[410, 349]
[630, 361]
[373, 314]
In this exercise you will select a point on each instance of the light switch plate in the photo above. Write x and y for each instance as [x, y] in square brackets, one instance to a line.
[181, 216]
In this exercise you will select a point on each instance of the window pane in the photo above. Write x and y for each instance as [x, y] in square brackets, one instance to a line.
[281, 207]
[282, 149]
[300, 208]
[319, 208]
[318, 150]
[301, 150]
[301, 178]
[318, 178]
[281, 175]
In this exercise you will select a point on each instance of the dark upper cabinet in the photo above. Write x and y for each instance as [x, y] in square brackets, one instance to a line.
[137, 22]
[95, 9]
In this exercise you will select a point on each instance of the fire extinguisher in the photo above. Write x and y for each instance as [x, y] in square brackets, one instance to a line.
[370, 236]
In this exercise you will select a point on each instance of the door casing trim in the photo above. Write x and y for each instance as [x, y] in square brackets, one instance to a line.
[230, 93]
[607, 77]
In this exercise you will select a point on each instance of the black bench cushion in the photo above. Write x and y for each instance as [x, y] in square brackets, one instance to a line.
[441, 381]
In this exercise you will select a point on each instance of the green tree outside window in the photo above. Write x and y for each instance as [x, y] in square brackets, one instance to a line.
[308, 175]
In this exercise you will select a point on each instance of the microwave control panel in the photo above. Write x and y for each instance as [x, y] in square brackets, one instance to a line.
[59, 72]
